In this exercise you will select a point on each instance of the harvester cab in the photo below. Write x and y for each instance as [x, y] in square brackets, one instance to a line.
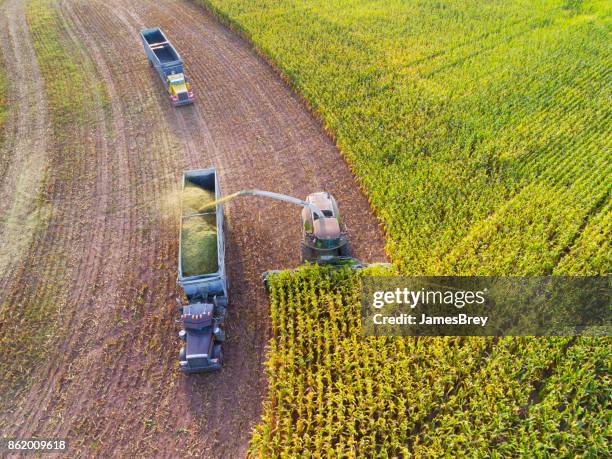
[179, 88]
[323, 238]
[202, 336]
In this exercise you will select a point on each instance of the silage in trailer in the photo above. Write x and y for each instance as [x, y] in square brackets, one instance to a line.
[199, 232]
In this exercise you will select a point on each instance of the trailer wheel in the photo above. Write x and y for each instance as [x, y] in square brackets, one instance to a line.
[220, 313]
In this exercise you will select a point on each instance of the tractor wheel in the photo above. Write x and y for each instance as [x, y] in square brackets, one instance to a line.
[220, 303]
[308, 254]
[266, 283]
[220, 300]
[345, 250]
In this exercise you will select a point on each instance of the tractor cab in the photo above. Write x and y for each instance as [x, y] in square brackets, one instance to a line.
[203, 336]
[179, 89]
[324, 240]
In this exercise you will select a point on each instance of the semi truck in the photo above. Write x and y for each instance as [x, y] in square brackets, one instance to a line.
[168, 64]
[205, 283]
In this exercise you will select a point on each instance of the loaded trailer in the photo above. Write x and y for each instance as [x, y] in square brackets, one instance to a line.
[201, 273]
[168, 64]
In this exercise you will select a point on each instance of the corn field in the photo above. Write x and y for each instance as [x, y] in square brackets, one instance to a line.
[335, 393]
[480, 132]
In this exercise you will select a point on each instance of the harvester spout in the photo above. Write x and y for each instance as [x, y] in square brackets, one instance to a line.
[270, 195]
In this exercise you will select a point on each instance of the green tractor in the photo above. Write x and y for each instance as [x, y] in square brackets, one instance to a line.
[324, 241]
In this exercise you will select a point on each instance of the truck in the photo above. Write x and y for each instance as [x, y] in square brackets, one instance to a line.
[204, 283]
[168, 64]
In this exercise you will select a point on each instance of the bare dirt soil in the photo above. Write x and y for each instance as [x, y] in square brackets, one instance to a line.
[111, 385]
[22, 155]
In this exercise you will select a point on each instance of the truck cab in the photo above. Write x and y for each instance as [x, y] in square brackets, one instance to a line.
[179, 89]
[202, 336]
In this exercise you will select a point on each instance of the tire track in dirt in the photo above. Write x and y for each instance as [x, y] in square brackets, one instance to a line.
[152, 153]
[94, 379]
[24, 151]
[117, 389]
[78, 237]
[29, 275]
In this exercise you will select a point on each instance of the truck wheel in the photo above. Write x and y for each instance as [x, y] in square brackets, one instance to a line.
[220, 336]
[218, 353]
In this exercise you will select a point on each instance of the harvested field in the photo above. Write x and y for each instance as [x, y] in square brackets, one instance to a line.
[97, 145]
